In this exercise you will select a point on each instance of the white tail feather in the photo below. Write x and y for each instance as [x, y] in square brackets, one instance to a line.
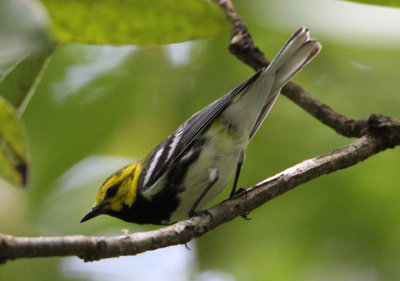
[259, 97]
[297, 52]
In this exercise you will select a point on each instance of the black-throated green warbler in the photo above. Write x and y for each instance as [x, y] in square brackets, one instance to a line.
[196, 162]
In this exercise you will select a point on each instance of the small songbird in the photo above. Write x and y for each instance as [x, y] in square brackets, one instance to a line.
[197, 161]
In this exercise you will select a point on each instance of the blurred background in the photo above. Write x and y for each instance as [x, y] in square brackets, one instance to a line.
[98, 108]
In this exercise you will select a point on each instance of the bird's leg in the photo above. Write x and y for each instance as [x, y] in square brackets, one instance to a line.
[214, 175]
[238, 169]
[235, 182]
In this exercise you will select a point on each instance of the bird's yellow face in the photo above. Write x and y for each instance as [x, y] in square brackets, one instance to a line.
[118, 190]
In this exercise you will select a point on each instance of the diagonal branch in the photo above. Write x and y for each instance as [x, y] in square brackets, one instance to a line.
[376, 133]
[243, 47]
[96, 248]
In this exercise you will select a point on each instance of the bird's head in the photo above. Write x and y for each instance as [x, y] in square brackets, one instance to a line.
[117, 192]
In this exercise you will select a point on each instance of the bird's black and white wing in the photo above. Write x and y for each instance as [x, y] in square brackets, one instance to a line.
[171, 148]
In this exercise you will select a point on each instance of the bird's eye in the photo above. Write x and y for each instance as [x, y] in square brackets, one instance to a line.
[112, 190]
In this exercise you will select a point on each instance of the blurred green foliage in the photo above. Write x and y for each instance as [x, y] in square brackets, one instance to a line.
[134, 21]
[13, 151]
[21, 77]
[97, 108]
[23, 29]
[390, 3]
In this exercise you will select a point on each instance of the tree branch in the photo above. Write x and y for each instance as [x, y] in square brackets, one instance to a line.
[96, 248]
[376, 133]
[243, 47]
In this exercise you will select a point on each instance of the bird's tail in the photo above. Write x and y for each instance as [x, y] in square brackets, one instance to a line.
[261, 95]
[298, 51]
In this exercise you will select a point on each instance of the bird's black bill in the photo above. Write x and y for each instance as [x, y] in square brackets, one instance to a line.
[94, 212]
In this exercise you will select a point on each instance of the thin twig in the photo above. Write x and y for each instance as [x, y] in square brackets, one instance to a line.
[243, 47]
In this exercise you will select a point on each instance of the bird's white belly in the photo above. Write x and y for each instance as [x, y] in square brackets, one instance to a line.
[222, 154]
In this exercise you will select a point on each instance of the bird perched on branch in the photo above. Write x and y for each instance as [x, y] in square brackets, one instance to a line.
[197, 161]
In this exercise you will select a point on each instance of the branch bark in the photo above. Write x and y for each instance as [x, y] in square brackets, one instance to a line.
[375, 133]
[242, 46]
[384, 133]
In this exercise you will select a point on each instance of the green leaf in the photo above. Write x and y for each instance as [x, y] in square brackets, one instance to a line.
[13, 156]
[23, 29]
[389, 3]
[134, 21]
[21, 78]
